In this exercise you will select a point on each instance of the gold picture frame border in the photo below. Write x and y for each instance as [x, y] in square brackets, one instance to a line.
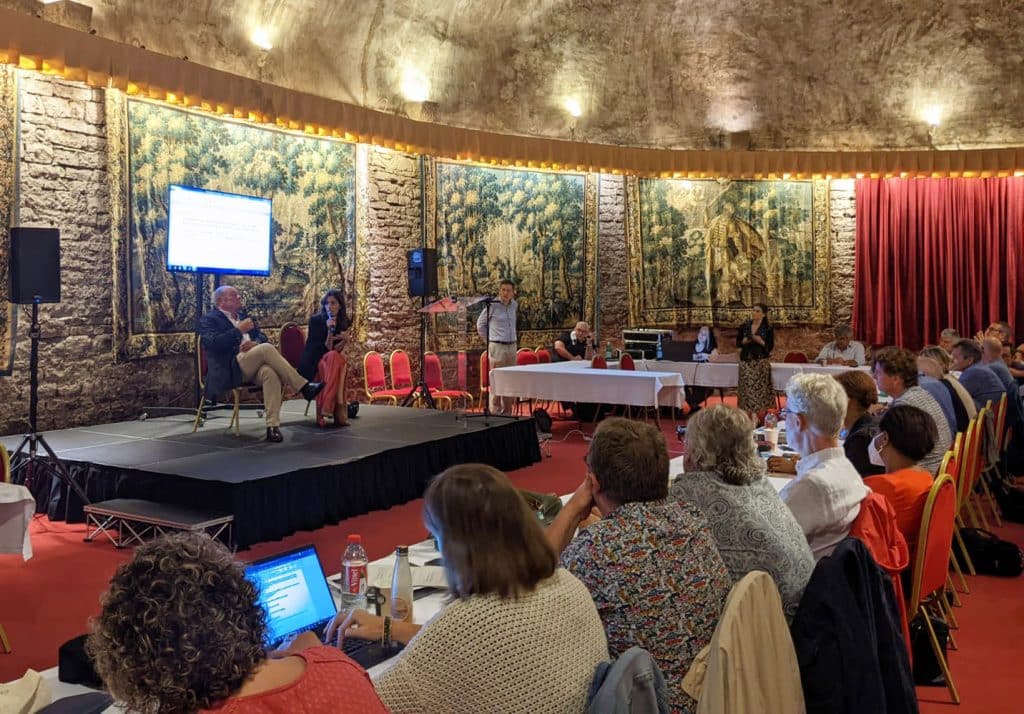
[450, 341]
[820, 313]
[8, 171]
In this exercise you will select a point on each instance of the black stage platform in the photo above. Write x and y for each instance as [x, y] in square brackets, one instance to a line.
[316, 477]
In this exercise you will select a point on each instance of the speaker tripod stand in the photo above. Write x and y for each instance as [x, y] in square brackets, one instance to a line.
[33, 463]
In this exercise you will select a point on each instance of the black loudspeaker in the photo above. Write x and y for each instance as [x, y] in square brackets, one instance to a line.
[422, 265]
[34, 268]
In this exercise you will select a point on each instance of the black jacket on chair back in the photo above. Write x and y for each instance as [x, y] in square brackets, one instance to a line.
[849, 640]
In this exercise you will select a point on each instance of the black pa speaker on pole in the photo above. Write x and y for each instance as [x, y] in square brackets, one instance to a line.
[422, 266]
[34, 268]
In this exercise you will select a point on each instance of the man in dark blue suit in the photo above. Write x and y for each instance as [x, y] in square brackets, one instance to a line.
[237, 352]
[982, 383]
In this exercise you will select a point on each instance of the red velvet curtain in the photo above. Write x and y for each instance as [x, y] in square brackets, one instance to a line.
[937, 253]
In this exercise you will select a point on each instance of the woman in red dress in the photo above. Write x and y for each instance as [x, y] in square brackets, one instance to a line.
[324, 359]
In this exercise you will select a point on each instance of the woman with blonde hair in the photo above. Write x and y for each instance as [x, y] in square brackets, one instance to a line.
[518, 629]
[753, 529]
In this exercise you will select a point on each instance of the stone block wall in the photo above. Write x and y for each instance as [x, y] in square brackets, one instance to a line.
[61, 174]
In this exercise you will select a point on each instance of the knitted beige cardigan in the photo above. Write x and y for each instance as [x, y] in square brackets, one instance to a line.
[533, 654]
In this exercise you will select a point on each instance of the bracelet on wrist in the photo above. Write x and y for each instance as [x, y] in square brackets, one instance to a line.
[385, 638]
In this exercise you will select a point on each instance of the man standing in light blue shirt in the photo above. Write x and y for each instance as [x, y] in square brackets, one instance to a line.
[501, 337]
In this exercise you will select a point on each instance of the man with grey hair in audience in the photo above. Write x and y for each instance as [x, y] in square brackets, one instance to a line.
[826, 494]
[843, 350]
[992, 357]
[948, 338]
[981, 382]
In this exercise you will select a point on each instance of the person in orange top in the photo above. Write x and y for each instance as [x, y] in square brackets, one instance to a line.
[905, 436]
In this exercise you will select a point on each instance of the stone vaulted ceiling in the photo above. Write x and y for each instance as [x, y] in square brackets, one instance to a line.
[816, 74]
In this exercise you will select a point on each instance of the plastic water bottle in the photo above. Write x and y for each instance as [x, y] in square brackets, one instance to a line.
[771, 420]
[401, 586]
[658, 353]
[353, 575]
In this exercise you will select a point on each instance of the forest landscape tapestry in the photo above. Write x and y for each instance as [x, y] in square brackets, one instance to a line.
[707, 250]
[532, 227]
[310, 180]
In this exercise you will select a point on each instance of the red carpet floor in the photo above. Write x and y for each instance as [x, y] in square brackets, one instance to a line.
[49, 599]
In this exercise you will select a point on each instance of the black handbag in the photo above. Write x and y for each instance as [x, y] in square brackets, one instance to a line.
[927, 670]
[991, 555]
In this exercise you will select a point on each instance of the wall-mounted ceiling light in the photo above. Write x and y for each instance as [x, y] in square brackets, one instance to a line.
[261, 38]
[415, 86]
[932, 114]
[572, 105]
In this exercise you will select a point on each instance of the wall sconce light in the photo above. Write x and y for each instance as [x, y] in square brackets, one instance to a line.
[932, 114]
[261, 38]
[415, 86]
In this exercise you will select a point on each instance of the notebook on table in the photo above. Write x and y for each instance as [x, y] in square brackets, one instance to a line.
[294, 593]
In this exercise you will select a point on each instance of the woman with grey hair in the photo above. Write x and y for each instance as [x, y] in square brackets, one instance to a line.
[752, 528]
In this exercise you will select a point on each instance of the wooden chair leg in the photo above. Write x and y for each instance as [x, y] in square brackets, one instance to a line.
[5, 644]
[960, 575]
[199, 416]
[236, 414]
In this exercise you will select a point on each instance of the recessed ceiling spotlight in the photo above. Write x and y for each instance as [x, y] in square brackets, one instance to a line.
[932, 114]
[415, 86]
[261, 38]
[572, 105]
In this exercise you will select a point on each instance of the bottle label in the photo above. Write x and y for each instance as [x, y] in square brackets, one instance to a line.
[355, 579]
[401, 609]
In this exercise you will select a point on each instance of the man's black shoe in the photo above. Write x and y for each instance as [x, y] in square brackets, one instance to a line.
[311, 390]
[274, 435]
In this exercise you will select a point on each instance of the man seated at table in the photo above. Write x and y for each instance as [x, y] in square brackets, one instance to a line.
[826, 494]
[980, 381]
[237, 352]
[843, 350]
[573, 345]
[650, 562]
[895, 373]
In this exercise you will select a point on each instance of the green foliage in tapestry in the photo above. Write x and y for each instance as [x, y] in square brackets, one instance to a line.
[311, 182]
[726, 244]
[526, 226]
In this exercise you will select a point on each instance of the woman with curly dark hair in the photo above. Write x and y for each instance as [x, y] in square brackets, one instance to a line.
[182, 630]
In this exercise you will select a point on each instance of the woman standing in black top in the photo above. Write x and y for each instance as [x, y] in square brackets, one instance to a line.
[756, 339]
[322, 357]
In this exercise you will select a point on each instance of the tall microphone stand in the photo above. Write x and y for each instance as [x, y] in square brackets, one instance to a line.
[33, 464]
[420, 390]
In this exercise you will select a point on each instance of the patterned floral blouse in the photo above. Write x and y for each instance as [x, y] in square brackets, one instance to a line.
[753, 529]
[658, 582]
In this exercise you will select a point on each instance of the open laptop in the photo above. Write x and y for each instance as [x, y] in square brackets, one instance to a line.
[678, 350]
[294, 593]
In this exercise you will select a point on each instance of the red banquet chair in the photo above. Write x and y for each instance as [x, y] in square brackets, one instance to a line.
[543, 355]
[526, 356]
[462, 375]
[485, 377]
[434, 379]
[931, 566]
[374, 382]
[795, 358]
[401, 371]
[626, 362]
[293, 342]
[599, 362]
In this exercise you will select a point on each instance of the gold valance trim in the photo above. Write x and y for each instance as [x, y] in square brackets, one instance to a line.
[31, 43]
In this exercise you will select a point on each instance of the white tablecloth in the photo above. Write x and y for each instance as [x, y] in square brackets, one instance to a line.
[726, 374]
[16, 509]
[577, 382]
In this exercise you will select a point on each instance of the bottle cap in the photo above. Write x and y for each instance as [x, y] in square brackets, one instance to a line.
[402, 550]
[354, 538]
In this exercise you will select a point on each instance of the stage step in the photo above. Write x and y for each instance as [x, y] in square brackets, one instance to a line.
[135, 519]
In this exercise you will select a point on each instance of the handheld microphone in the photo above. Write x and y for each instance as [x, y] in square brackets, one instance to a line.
[332, 328]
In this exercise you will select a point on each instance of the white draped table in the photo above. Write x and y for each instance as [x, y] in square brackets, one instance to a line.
[577, 381]
[725, 375]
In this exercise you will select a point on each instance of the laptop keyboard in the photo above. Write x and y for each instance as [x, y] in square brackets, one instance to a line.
[369, 653]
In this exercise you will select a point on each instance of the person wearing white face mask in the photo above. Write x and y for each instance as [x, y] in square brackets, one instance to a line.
[826, 494]
[905, 436]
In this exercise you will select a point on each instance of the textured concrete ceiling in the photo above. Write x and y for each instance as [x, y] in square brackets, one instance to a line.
[816, 74]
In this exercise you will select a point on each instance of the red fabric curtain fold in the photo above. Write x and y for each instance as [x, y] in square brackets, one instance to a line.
[937, 253]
